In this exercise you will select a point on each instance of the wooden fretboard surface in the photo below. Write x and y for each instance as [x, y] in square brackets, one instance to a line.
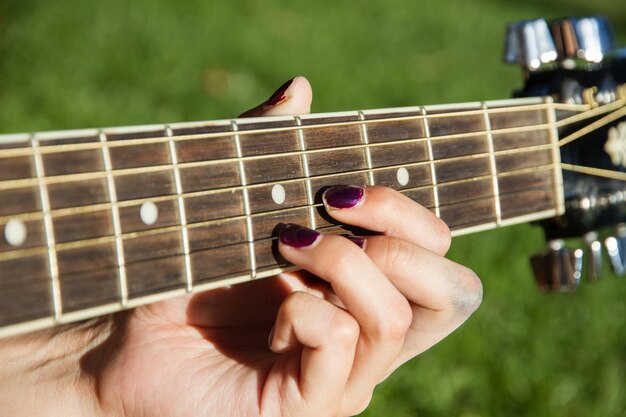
[94, 242]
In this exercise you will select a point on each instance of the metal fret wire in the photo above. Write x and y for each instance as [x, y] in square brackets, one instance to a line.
[130, 142]
[131, 235]
[93, 207]
[494, 170]
[368, 154]
[307, 174]
[57, 305]
[117, 227]
[9, 184]
[431, 160]
[181, 210]
[246, 204]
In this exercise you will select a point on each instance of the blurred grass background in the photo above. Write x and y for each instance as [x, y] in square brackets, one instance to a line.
[72, 64]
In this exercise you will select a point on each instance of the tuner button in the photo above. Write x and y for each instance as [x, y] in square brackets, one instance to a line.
[585, 40]
[529, 44]
[607, 91]
[558, 268]
[616, 247]
[594, 260]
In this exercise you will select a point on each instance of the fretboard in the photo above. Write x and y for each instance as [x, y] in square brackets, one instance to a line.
[99, 220]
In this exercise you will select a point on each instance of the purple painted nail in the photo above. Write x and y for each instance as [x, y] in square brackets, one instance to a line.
[279, 95]
[343, 196]
[359, 241]
[297, 236]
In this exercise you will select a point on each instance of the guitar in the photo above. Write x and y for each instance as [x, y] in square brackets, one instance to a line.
[99, 220]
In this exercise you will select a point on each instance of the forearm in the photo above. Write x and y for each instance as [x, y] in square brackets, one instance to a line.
[50, 373]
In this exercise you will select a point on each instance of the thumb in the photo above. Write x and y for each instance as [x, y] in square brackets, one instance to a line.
[293, 97]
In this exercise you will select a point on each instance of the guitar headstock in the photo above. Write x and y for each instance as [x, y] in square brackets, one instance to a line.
[575, 61]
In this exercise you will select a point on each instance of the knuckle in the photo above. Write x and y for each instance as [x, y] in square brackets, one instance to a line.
[398, 321]
[345, 329]
[468, 291]
[294, 303]
[393, 324]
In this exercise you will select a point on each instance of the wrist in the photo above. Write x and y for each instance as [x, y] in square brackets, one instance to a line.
[44, 373]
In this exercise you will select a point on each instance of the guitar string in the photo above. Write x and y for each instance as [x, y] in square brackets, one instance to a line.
[16, 183]
[605, 173]
[60, 212]
[21, 253]
[599, 172]
[593, 126]
[597, 111]
[226, 123]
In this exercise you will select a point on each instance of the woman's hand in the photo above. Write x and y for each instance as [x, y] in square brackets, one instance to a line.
[336, 329]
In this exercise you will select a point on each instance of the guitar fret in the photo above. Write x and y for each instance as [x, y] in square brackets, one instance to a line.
[305, 166]
[492, 164]
[246, 202]
[181, 209]
[433, 175]
[57, 304]
[556, 155]
[117, 228]
[366, 142]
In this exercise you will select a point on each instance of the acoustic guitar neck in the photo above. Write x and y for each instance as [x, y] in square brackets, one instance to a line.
[95, 221]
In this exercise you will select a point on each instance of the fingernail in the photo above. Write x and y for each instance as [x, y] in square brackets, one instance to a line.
[297, 236]
[279, 95]
[270, 338]
[359, 241]
[343, 196]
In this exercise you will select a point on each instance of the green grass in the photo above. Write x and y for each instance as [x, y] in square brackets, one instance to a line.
[72, 64]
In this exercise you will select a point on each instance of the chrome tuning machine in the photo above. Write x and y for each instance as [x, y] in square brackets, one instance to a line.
[616, 249]
[593, 247]
[558, 268]
[570, 43]
[529, 43]
[583, 42]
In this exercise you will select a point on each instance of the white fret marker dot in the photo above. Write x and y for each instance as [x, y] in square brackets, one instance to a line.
[278, 194]
[402, 176]
[15, 232]
[149, 213]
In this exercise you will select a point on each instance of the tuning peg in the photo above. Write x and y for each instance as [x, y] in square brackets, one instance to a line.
[558, 268]
[607, 91]
[529, 43]
[594, 260]
[582, 41]
[616, 248]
